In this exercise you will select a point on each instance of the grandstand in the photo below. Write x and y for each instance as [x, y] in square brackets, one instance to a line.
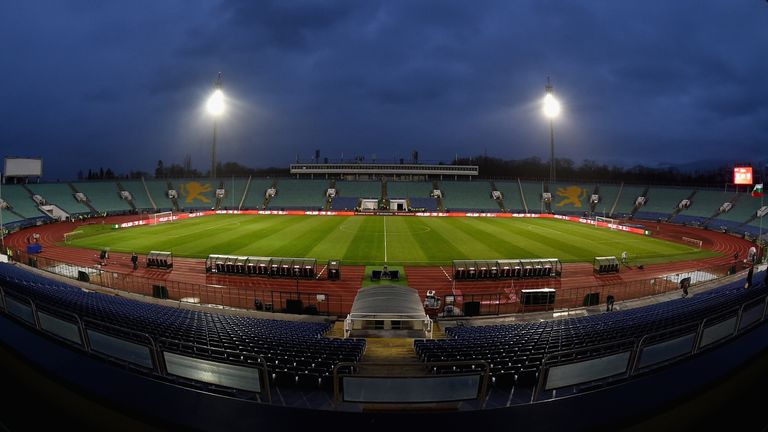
[463, 196]
[254, 196]
[358, 189]
[571, 198]
[627, 199]
[158, 193]
[104, 196]
[138, 193]
[299, 194]
[511, 194]
[264, 359]
[662, 202]
[61, 195]
[532, 195]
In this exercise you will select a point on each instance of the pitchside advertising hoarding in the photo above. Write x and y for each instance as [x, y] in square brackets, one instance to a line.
[742, 175]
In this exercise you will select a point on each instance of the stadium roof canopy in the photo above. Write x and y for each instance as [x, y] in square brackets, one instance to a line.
[388, 302]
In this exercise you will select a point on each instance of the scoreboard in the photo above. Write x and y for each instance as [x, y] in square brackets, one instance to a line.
[742, 175]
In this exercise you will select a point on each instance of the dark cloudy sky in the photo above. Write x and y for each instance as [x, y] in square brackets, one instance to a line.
[122, 84]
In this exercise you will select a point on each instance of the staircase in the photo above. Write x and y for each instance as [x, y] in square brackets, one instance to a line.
[14, 212]
[547, 204]
[87, 201]
[616, 201]
[440, 205]
[384, 202]
[217, 206]
[267, 199]
[592, 205]
[718, 212]
[678, 209]
[329, 200]
[637, 207]
[245, 193]
[146, 189]
[175, 201]
[120, 188]
[499, 201]
[522, 195]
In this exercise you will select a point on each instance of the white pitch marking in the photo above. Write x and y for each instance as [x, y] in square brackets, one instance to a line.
[385, 239]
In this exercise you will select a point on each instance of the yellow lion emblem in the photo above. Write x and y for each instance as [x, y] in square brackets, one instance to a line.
[571, 195]
[195, 190]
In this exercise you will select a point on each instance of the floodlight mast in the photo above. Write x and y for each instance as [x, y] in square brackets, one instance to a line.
[551, 110]
[215, 107]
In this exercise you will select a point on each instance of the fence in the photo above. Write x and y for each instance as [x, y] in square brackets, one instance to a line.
[259, 293]
[251, 293]
[510, 302]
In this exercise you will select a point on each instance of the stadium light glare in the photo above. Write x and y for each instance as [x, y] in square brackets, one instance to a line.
[215, 106]
[215, 103]
[551, 106]
[551, 109]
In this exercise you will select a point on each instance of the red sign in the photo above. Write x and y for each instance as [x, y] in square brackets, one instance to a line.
[742, 175]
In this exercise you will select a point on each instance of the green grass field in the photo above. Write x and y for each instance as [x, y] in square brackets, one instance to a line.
[376, 239]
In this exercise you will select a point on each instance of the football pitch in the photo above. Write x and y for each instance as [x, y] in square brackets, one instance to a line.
[379, 239]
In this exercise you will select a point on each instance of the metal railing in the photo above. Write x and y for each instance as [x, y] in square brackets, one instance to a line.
[632, 346]
[510, 301]
[256, 293]
[156, 352]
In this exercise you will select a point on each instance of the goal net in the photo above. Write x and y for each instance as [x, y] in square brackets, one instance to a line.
[611, 223]
[68, 237]
[161, 217]
[693, 242]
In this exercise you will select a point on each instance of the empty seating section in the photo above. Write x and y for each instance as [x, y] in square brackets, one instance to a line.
[664, 200]
[744, 208]
[571, 197]
[515, 351]
[9, 217]
[608, 194]
[344, 203]
[20, 200]
[627, 200]
[474, 195]
[254, 199]
[233, 192]
[358, 189]
[139, 195]
[428, 204]
[299, 194]
[706, 202]
[158, 189]
[406, 189]
[532, 192]
[290, 348]
[103, 196]
[61, 195]
[196, 194]
[510, 191]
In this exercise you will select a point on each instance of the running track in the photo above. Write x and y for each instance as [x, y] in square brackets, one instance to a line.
[188, 278]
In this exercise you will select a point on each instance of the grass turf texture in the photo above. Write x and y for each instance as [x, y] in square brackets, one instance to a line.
[370, 240]
[402, 277]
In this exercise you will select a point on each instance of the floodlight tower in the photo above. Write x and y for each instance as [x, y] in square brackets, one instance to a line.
[215, 107]
[551, 110]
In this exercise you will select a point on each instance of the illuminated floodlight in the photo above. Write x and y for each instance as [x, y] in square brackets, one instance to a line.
[215, 103]
[551, 106]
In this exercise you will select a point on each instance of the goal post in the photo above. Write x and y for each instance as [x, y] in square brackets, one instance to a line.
[68, 237]
[161, 217]
[693, 242]
[612, 223]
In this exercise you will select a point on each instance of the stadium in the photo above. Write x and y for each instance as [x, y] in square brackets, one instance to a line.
[383, 216]
[377, 300]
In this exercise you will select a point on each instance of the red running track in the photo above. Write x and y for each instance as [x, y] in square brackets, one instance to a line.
[189, 279]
